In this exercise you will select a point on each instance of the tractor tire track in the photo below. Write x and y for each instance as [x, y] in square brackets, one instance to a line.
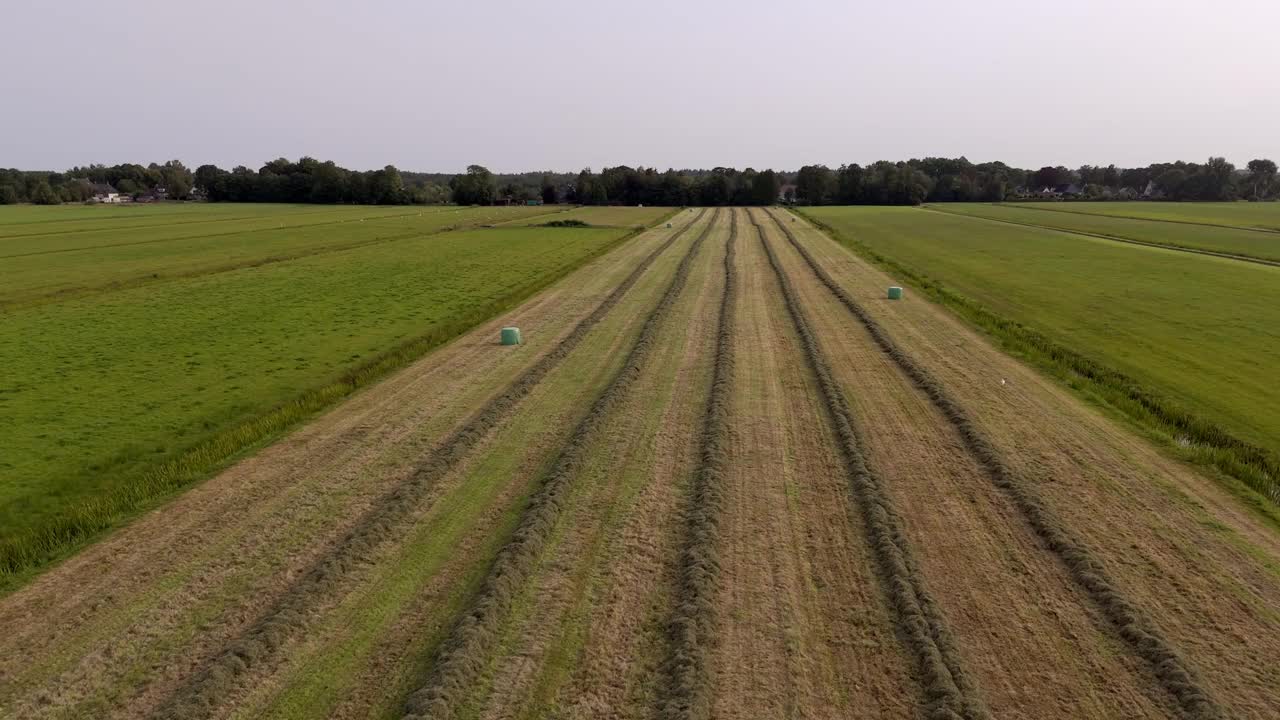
[693, 623]
[462, 657]
[1173, 673]
[948, 692]
[201, 696]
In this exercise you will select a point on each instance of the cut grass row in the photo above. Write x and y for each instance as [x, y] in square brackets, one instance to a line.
[230, 361]
[213, 683]
[1245, 245]
[1132, 624]
[377, 647]
[1182, 345]
[472, 639]
[694, 621]
[949, 692]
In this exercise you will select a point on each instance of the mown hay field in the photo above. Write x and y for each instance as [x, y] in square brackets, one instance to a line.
[1263, 245]
[162, 359]
[1236, 214]
[1200, 330]
[724, 478]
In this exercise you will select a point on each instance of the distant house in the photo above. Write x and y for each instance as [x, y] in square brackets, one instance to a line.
[104, 193]
[787, 193]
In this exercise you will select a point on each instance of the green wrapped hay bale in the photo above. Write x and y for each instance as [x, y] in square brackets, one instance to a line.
[510, 336]
[895, 293]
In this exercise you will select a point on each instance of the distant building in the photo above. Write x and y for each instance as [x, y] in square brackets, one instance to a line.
[104, 193]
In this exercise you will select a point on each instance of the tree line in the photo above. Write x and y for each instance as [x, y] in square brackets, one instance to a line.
[958, 180]
[908, 182]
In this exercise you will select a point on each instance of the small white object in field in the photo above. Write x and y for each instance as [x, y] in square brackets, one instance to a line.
[1003, 381]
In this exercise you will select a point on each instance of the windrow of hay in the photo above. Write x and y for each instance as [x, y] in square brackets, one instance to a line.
[949, 693]
[1197, 438]
[201, 695]
[464, 656]
[1131, 623]
[693, 623]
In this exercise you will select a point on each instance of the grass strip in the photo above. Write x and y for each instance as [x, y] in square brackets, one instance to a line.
[1173, 672]
[1121, 238]
[692, 626]
[949, 692]
[1191, 436]
[200, 696]
[1043, 206]
[464, 655]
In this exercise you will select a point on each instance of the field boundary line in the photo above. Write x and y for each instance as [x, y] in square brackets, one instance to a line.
[1130, 621]
[1117, 238]
[23, 557]
[471, 640]
[693, 622]
[288, 615]
[1249, 472]
[949, 692]
[1035, 206]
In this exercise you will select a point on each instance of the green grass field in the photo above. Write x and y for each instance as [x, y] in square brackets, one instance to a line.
[1231, 240]
[1202, 331]
[36, 267]
[1238, 214]
[115, 396]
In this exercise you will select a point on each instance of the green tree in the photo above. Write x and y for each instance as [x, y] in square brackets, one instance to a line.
[8, 195]
[476, 187]
[45, 195]
[1261, 174]
[548, 191]
[764, 188]
[815, 185]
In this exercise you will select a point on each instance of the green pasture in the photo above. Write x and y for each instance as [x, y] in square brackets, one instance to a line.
[116, 396]
[1214, 238]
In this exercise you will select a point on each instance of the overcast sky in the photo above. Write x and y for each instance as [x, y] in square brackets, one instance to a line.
[544, 84]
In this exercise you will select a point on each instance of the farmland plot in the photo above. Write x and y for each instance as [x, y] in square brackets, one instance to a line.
[724, 478]
[1188, 333]
[614, 216]
[1231, 241]
[114, 397]
[1263, 216]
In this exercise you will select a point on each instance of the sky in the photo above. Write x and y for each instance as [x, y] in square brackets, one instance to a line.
[434, 86]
